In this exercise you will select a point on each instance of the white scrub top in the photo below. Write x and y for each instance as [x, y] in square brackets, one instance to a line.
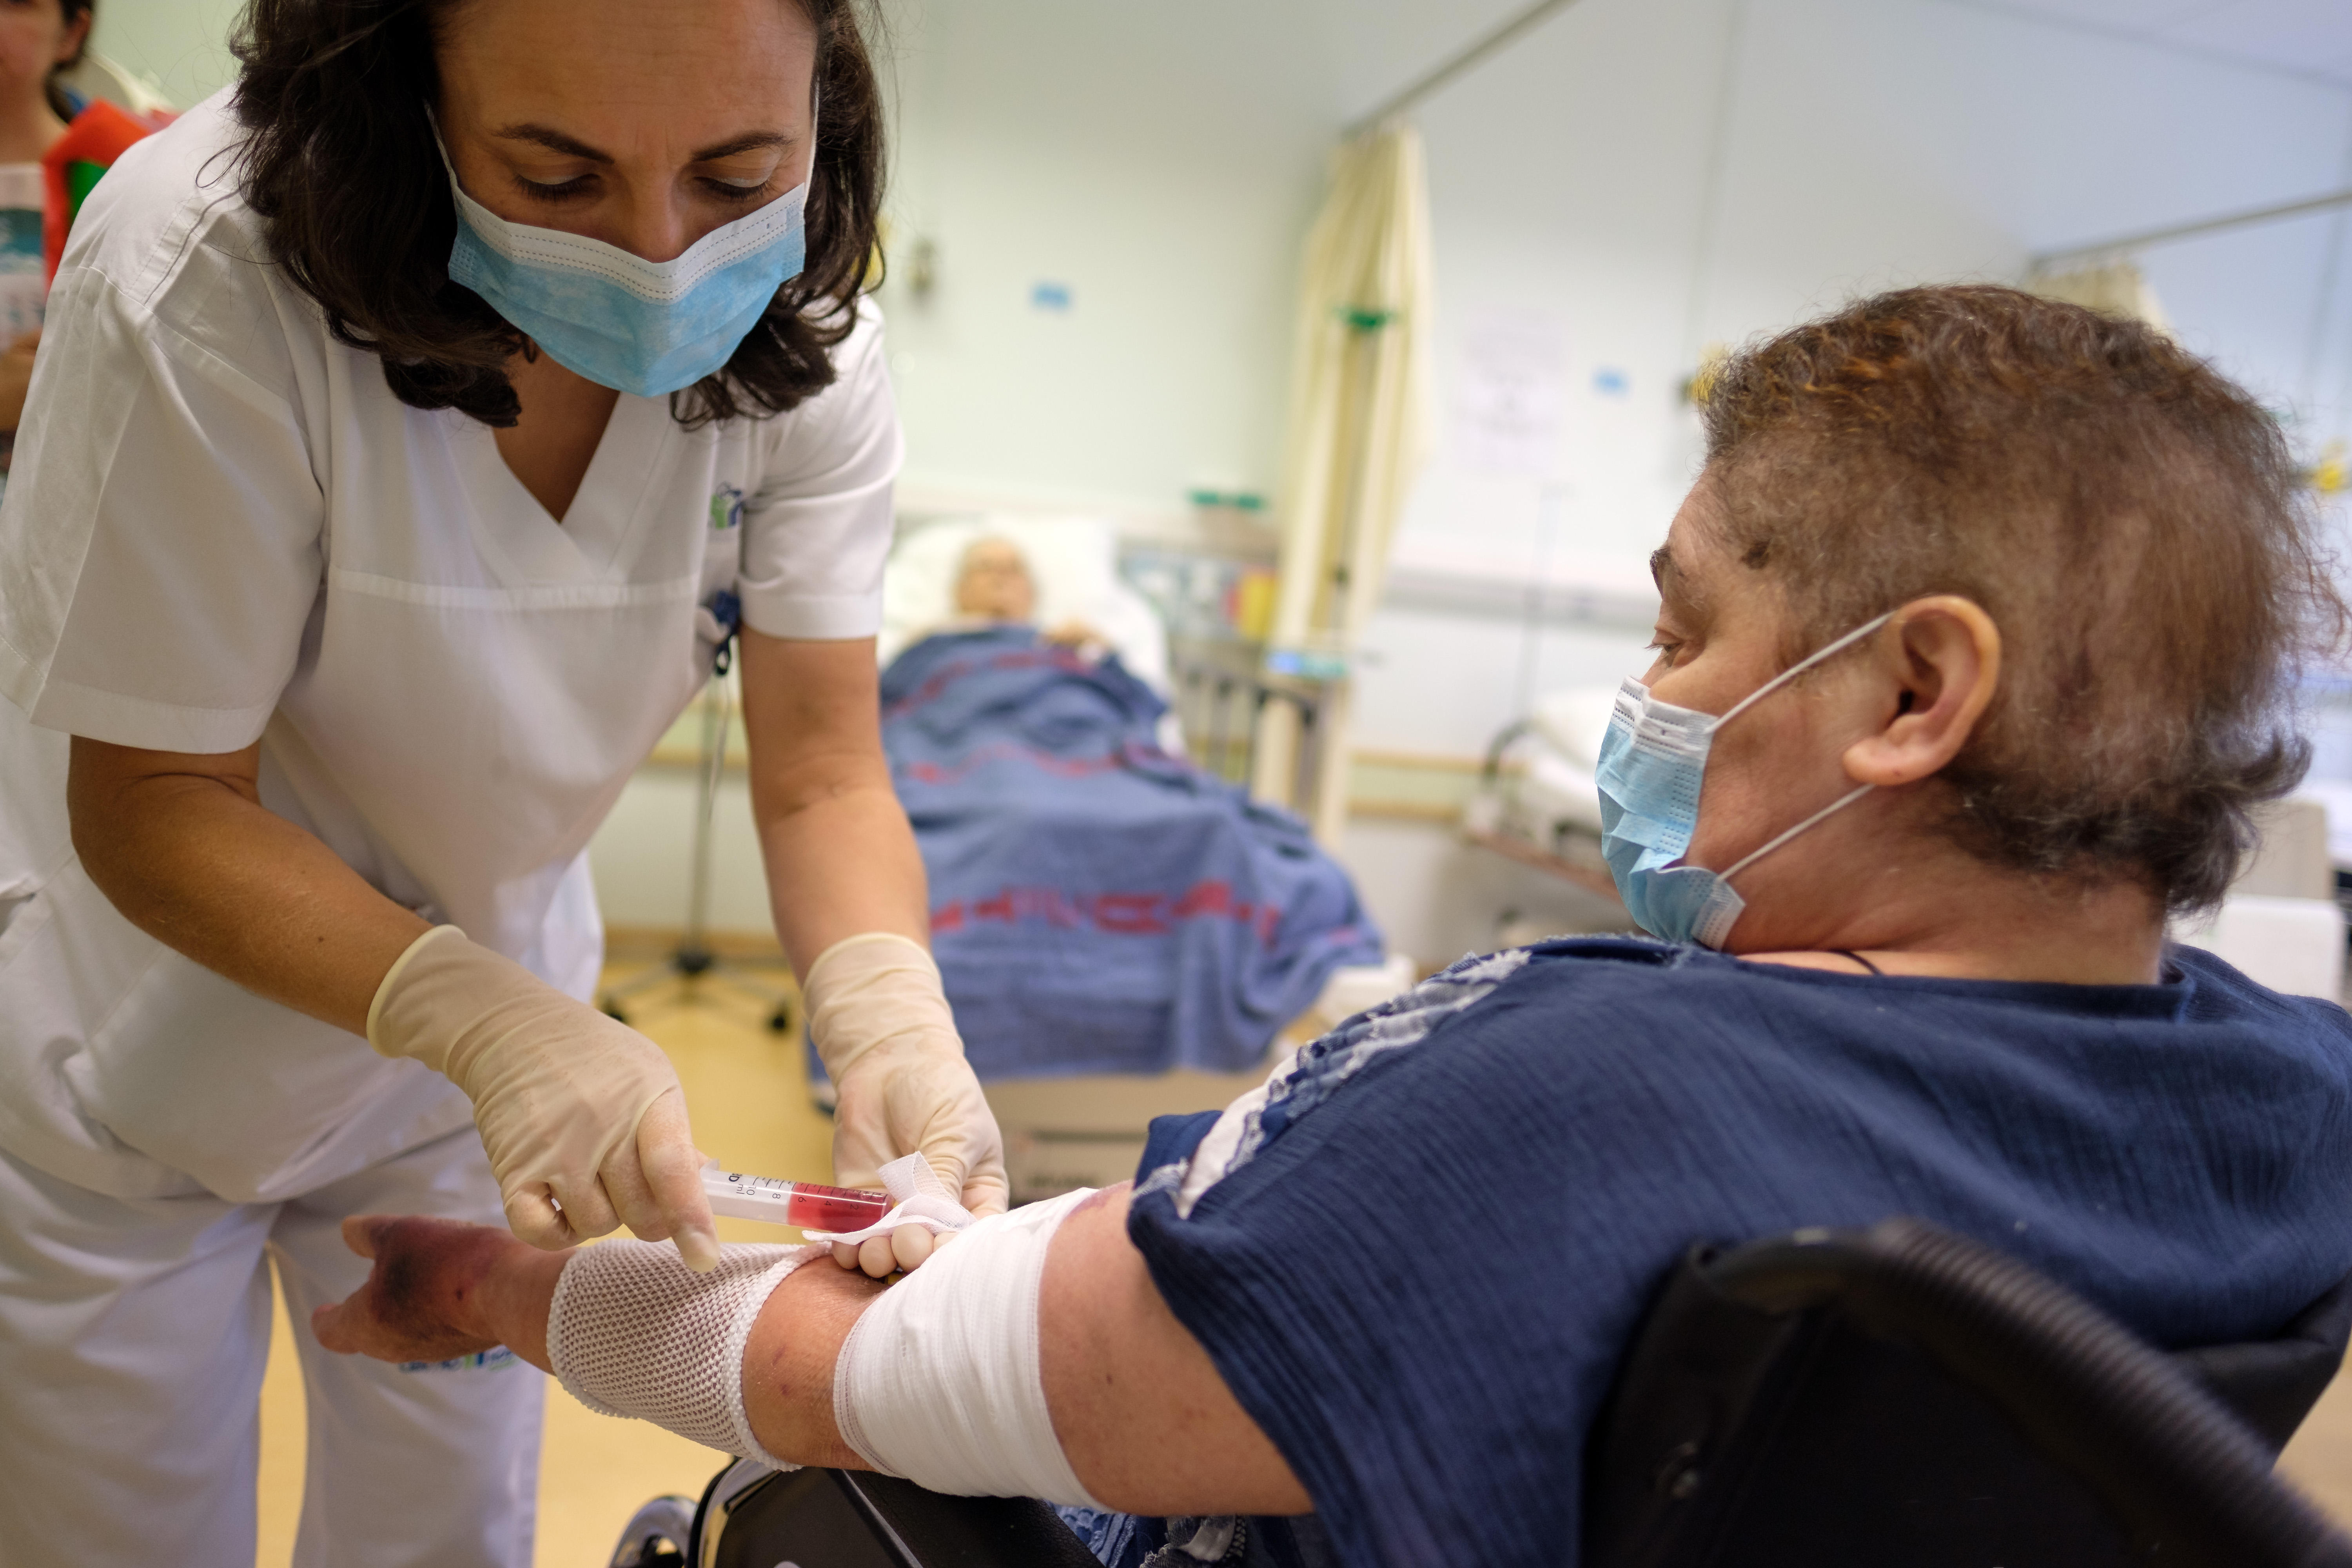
[222, 526]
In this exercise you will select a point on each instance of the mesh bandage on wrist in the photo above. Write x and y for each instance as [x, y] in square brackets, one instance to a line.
[941, 1383]
[632, 1332]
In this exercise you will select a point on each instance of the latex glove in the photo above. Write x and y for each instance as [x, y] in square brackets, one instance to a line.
[572, 1105]
[881, 1025]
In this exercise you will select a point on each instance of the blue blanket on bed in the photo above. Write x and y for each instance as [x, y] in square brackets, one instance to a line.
[1096, 904]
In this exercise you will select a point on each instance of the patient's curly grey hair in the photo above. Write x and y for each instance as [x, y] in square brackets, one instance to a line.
[2132, 520]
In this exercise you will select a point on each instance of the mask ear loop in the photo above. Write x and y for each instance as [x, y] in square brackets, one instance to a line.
[1791, 673]
[1838, 804]
[1801, 665]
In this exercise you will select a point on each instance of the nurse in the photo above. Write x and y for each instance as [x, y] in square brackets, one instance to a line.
[414, 423]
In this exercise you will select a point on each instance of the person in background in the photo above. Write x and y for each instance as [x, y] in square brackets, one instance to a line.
[994, 587]
[40, 39]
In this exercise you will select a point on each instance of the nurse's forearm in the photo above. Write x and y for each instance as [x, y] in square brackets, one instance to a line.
[183, 847]
[842, 866]
[841, 859]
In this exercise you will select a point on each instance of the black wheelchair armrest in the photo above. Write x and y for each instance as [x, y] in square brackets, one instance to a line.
[852, 1519]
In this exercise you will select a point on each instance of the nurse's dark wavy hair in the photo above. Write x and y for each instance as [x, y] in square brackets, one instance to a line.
[341, 169]
[2132, 520]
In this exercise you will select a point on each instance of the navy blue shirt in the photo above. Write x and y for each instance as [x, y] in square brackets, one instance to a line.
[1434, 1244]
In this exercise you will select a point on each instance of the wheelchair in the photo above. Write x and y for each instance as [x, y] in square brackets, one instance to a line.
[1824, 1399]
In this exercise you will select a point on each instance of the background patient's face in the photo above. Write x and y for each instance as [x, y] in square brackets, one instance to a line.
[994, 583]
[1723, 633]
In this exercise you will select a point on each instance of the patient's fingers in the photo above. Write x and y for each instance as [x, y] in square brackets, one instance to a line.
[909, 1245]
[413, 1305]
[360, 1231]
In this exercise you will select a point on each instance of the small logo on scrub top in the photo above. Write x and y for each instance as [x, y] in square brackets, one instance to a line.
[726, 508]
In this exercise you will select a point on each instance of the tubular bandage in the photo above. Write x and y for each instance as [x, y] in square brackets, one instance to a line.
[631, 1332]
[940, 1380]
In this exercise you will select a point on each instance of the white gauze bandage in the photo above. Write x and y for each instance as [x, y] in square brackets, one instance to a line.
[940, 1380]
[632, 1332]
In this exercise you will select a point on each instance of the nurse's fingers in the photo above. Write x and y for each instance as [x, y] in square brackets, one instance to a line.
[846, 1254]
[631, 1198]
[669, 1167]
[587, 1208]
[534, 1219]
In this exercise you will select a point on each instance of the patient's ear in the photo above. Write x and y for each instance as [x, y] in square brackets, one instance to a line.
[1937, 662]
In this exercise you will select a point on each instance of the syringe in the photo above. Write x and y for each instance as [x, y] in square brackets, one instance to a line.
[804, 1204]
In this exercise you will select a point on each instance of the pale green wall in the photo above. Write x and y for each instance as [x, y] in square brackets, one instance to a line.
[182, 44]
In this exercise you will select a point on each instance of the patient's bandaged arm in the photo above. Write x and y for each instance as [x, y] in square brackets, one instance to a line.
[940, 1381]
[632, 1332]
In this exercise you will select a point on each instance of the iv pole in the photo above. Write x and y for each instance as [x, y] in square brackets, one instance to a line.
[692, 961]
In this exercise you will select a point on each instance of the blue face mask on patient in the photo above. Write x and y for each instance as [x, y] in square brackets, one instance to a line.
[644, 327]
[1652, 761]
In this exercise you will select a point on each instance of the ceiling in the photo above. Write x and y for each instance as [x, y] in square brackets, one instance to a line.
[2309, 38]
[1380, 44]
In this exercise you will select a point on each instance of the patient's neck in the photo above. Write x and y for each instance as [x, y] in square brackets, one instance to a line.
[1938, 910]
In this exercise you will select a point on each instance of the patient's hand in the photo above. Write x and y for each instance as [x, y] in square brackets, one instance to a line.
[1079, 637]
[441, 1288]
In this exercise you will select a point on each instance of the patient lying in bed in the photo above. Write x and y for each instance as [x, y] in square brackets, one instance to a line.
[994, 587]
[1391, 1287]
[1098, 904]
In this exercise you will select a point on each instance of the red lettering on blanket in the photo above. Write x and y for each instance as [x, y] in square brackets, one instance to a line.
[1003, 751]
[947, 675]
[1115, 914]
[1214, 897]
[1130, 915]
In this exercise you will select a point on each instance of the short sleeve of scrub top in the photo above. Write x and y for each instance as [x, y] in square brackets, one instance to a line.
[162, 539]
[818, 528]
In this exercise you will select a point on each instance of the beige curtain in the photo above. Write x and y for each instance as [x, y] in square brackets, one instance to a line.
[2118, 289]
[1358, 437]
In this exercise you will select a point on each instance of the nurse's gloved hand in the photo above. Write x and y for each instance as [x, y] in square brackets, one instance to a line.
[572, 1106]
[880, 1021]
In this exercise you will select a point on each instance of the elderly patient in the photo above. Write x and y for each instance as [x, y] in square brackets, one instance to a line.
[2001, 602]
[994, 586]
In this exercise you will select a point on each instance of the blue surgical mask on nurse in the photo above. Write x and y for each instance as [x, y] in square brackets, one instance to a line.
[649, 328]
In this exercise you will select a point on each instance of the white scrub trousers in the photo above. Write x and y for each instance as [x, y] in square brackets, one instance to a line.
[132, 1334]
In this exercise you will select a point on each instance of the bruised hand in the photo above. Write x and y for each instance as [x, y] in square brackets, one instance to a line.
[439, 1289]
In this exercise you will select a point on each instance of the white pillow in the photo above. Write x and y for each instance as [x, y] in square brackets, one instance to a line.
[1073, 560]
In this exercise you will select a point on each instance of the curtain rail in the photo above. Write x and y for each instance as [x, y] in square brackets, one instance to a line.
[1494, 42]
[2047, 261]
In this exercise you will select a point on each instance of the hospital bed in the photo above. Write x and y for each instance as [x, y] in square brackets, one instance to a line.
[1063, 1127]
[1829, 1398]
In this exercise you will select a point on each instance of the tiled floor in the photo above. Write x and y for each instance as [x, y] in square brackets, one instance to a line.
[752, 1111]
